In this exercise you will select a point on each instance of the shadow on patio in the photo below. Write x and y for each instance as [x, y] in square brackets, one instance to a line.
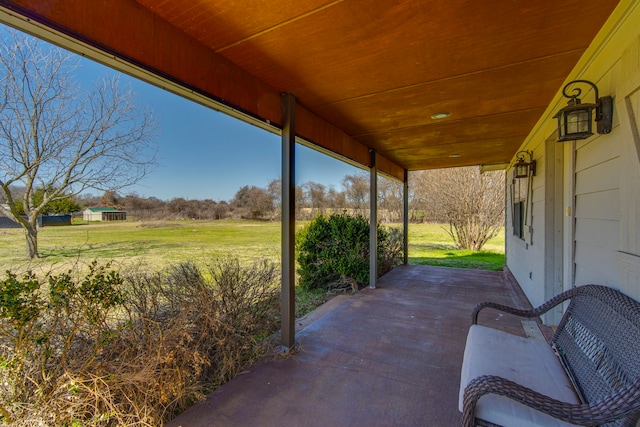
[388, 356]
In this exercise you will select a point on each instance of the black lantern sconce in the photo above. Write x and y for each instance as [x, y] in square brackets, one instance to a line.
[522, 168]
[574, 120]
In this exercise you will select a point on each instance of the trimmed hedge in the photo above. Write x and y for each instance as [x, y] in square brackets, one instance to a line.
[333, 252]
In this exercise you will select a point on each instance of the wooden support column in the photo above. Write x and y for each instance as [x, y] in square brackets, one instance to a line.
[405, 218]
[287, 298]
[373, 222]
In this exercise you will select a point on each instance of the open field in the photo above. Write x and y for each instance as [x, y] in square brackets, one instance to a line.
[160, 243]
[153, 244]
[429, 244]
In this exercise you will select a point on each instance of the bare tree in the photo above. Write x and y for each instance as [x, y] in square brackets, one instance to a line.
[111, 199]
[221, 210]
[470, 202]
[335, 199]
[317, 195]
[390, 200]
[253, 202]
[274, 188]
[356, 190]
[55, 135]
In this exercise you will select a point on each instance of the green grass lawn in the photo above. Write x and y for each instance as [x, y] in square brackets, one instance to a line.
[157, 244]
[429, 244]
[153, 244]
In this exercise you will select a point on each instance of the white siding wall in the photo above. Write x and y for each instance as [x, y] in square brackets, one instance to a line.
[597, 221]
[601, 237]
[526, 257]
[89, 215]
[628, 105]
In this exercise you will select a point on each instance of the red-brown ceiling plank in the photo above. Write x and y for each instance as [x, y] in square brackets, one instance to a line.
[519, 87]
[221, 23]
[127, 30]
[452, 132]
[370, 46]
[471, 153]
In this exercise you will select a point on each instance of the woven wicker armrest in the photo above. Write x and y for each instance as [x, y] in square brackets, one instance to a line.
[623, 402]
[523, 313]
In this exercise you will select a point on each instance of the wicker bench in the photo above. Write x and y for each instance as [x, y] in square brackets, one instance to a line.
[588, 375]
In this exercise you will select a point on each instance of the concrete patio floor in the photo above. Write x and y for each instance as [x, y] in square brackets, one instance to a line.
[389, 356]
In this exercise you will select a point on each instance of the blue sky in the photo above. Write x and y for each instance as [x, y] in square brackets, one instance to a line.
[204, 154]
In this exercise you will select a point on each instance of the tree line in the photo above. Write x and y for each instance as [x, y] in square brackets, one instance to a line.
[471, 203]
[261, 203]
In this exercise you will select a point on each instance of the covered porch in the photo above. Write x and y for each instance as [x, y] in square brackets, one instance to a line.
[394, 87]
[384, 356]
[400, 86]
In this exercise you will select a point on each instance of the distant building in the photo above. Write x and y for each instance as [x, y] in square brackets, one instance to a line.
[8, 223]
[54, 220]
[103, 214]
[42, 221]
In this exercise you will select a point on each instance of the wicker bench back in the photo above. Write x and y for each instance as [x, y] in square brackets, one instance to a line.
[598, 341]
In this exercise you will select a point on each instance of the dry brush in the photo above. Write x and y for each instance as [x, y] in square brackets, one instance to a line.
[129, 348]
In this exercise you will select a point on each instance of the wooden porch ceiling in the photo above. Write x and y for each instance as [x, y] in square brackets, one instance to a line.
[365, 73]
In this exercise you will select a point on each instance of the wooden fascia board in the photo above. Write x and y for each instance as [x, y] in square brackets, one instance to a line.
[145, 45]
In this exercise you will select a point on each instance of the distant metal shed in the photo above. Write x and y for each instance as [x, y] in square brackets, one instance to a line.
[8, 222]
[43, 221]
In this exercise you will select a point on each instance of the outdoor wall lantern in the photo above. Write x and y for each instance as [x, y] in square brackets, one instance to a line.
[574, 120]
[522, 168]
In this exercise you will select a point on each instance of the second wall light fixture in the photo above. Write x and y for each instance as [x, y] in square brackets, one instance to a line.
[522, 168]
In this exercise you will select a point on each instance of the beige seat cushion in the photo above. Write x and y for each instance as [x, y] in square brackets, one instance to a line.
[530, 363]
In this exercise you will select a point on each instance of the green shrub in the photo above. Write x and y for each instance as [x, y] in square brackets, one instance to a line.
[333, 252]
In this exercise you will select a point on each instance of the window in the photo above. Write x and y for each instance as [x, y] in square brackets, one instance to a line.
[518, 203]
[518, 219]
